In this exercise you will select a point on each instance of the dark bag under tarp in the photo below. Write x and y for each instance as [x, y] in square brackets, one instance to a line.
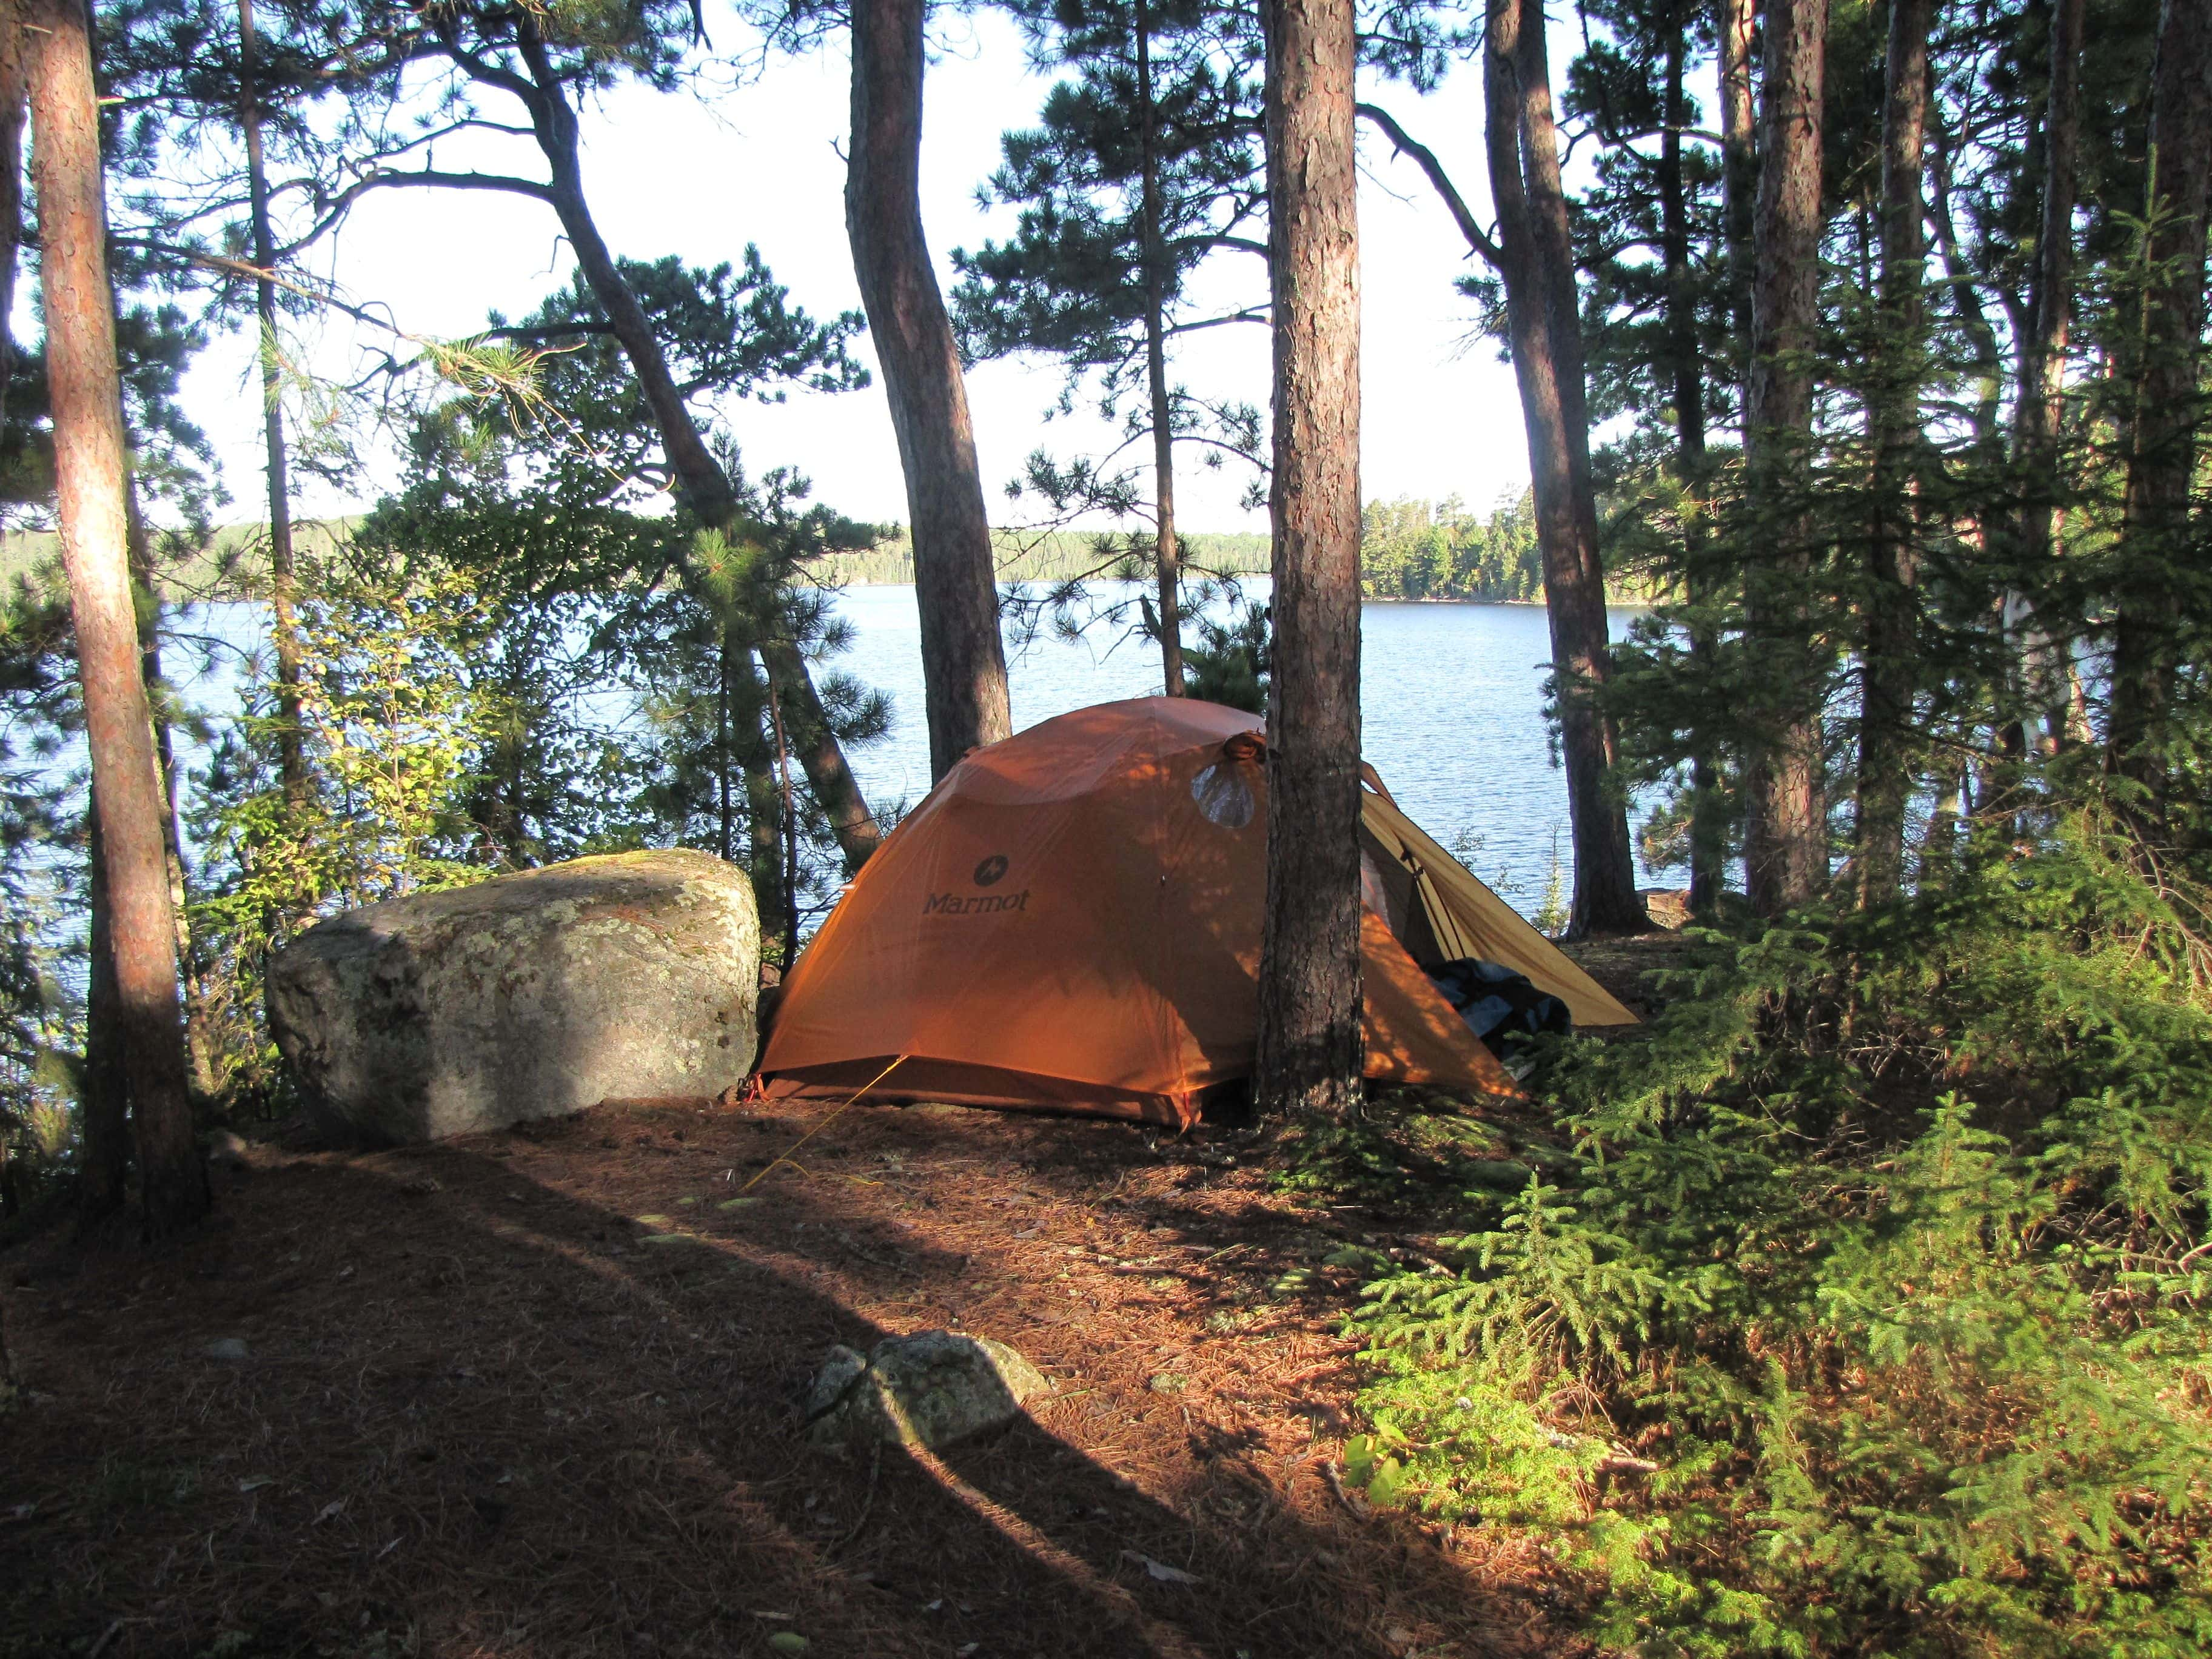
[1499, 1004]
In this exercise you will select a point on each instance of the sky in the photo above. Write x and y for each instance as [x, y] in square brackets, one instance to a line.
[760, 162]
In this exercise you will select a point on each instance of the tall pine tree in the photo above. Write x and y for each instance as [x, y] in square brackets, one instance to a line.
[1144, 167]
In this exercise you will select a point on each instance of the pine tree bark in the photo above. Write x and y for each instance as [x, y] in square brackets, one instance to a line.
[2168, 402]
[1786, 838]
[1542, 314]
[1889, 666]
[2039, 408]
[90, 481]
[1708, 821]
[956, 586]
[704, 487]
[1167, 553]
[291, 750]
[1310, 1056]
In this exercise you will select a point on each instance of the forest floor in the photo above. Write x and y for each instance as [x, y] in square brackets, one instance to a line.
[539, 1393]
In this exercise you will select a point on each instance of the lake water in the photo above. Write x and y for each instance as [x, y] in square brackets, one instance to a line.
[1451, 703]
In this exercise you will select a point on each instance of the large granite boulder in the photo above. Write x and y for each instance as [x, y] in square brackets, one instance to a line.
[526, 996]
[932, 1389]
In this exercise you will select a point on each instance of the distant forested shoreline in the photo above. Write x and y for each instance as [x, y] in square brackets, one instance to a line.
[1410, 550]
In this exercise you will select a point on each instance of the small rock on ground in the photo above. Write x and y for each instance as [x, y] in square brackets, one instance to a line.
[931, 1389]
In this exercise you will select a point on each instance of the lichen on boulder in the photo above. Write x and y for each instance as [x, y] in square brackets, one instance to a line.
[526, 996]
[932, 1389]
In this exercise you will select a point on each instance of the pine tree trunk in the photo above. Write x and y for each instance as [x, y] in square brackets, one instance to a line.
[1733, 24]
[788, 883]
[1543, 317]
[1786, 837]
[104, 1090]
[1310, 1056]
[291, 748]
[200, 1061]
[704, 486]
[2168, 404]
[725, 761]
[1167, 555]
[956, 587]
[2046, 665]
[90, 483]
[1889, 665]
[764, 804]
[820, 756]
[1708, 819]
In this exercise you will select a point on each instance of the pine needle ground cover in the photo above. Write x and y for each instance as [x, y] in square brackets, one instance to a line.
[539, 1396]
[1866, 1311]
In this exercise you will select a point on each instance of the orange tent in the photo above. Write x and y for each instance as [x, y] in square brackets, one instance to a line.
[1072, 918]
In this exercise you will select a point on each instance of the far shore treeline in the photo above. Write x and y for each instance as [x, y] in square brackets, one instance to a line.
[1409, 549]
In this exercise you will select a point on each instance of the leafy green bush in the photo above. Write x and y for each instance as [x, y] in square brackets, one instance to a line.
[1872, 1317]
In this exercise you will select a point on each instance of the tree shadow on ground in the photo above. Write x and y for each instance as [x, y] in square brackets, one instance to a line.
[488, 1411]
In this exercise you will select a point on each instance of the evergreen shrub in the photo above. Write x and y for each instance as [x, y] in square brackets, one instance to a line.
[1870, 1317]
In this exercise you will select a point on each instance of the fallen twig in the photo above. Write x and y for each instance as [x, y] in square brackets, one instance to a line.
[1356, 1509]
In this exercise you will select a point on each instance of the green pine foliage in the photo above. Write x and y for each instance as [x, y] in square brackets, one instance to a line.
[1871, 1315]
[1227, 661]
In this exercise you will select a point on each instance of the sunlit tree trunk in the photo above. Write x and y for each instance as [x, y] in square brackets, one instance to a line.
[963, 663]
[1309, 1046]
[291, 753]
[1889, 668]
[90, 481]
[1166, 557]
[2168, 402]
[1543, 318]
[1786, 837]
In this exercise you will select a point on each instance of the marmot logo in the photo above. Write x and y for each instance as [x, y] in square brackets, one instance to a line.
[983, 904]
[988, 871]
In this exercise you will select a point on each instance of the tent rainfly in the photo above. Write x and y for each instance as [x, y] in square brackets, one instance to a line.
[1070, 920]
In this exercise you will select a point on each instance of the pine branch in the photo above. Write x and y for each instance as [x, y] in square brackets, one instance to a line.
[1426, 158]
